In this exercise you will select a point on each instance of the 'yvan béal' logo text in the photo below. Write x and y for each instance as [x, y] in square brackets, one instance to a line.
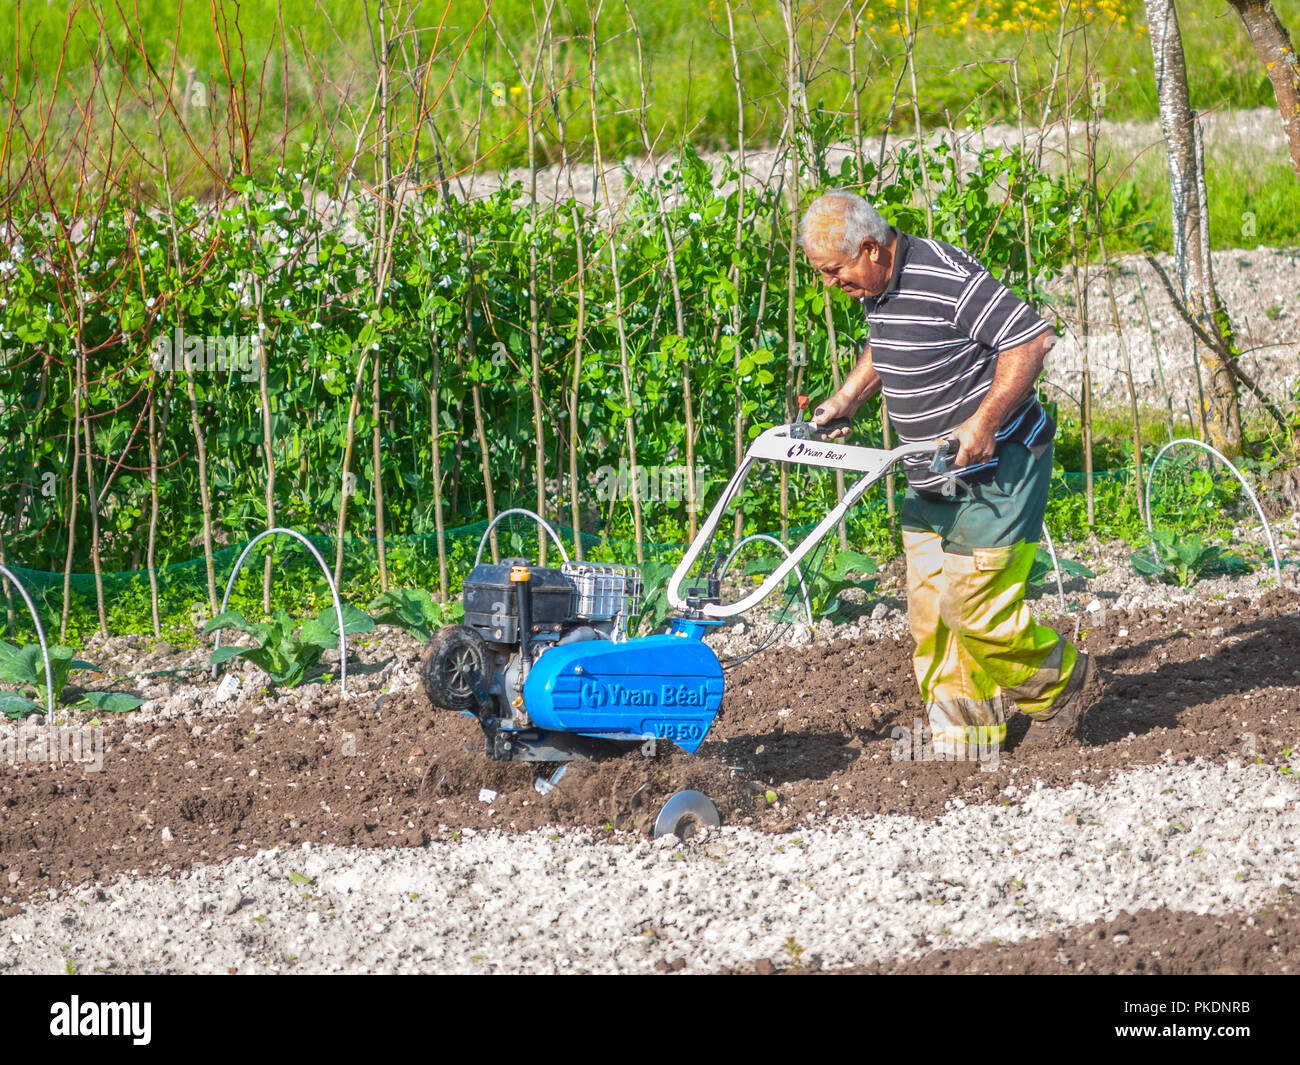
[593, 693]
[813, 451]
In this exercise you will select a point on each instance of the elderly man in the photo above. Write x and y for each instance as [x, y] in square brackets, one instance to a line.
[957, 355]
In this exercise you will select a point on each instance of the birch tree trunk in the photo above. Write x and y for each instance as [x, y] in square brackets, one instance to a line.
[1273, 45]
[1190, 221]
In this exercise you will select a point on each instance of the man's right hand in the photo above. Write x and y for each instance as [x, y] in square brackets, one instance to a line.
[832, 409]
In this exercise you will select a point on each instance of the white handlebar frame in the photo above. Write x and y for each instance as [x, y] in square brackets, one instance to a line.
[777, 445]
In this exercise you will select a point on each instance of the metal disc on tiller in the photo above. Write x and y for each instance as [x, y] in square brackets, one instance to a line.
[683, 809]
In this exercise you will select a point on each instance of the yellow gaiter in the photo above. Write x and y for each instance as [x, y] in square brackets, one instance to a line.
[976, 641]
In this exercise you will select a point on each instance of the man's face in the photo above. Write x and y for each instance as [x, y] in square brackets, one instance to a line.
[865, 274]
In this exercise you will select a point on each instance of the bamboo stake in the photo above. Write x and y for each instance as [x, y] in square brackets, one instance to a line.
[579, 333]
[9, 592]
[739, 413]
[200, 443]
[912, 23]
[480, 431]
[91, 495]
[612, 244]
[382, 249]
[793, 88]
[153, 516]
[835, 381]
[435, 451]
[72, 497]
[529, 81]
[885, 433]
[670, 245]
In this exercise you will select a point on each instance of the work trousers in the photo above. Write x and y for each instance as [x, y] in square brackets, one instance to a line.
[968, 559]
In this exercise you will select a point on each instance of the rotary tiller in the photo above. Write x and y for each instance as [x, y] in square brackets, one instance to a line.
[542, 659]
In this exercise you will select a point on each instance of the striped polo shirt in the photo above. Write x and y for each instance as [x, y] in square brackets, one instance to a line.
[935, 334]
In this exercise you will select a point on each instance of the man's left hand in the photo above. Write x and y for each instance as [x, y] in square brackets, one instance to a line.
[976, 440]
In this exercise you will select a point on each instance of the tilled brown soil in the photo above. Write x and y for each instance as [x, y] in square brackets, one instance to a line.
[1151, 942]
[389, 774]
[811, 724]
[1220, 679]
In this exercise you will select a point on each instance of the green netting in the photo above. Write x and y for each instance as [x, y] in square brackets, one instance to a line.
[360, 553]
[412, 559]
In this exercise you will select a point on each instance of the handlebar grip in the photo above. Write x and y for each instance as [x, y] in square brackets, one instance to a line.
[823, 428]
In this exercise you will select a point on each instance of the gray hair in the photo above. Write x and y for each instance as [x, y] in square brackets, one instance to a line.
[837, 223]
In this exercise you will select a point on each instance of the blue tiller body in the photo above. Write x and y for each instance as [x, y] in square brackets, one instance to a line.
[542, 660]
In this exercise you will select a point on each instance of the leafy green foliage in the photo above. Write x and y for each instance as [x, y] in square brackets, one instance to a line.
[15, 705]
[449, 257]
[280, 653]
[1041, 570]
[1182, 558]
[23, 666]
[413, 610]
[655, 607]
[831, 581]
[110, 702]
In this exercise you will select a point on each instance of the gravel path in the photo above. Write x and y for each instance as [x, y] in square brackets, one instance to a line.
[1199, 838]
[1255, 132]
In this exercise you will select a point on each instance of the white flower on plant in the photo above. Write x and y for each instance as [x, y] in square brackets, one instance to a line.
[444, 281]
[316, 325]
[150, 302]
[694, 216]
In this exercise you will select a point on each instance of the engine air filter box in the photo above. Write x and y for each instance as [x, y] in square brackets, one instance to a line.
[492, 606]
